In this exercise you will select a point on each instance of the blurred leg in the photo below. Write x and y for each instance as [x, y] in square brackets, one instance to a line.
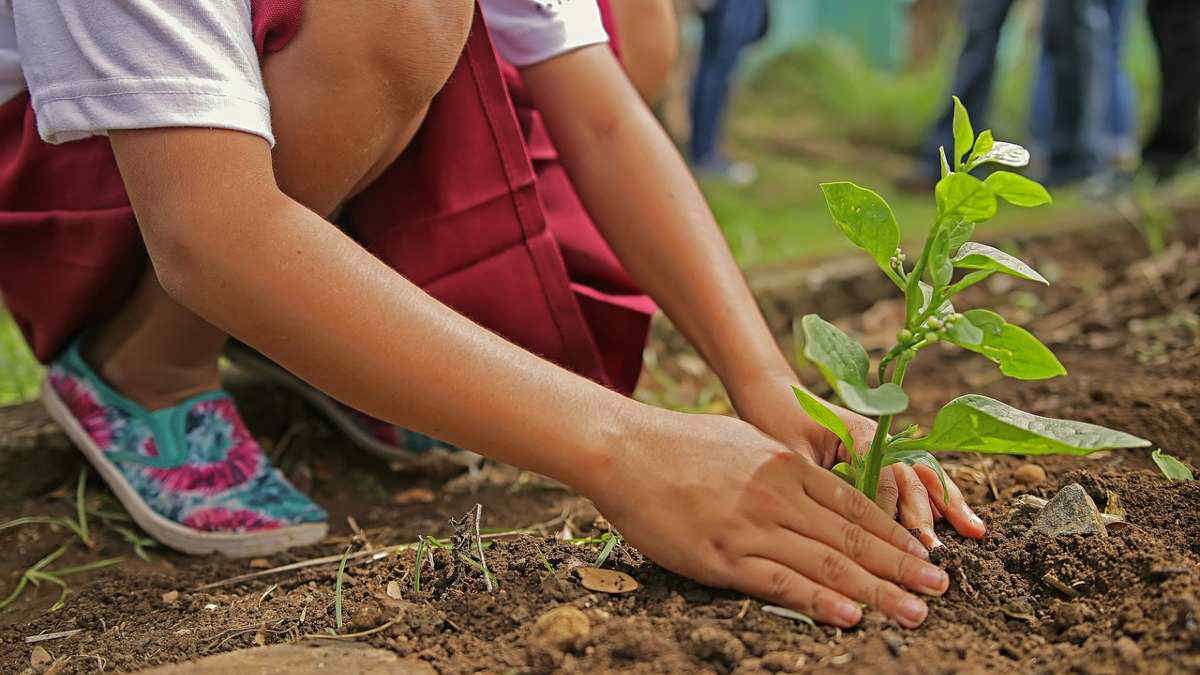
[1077, 36]
[1120, 119]
[982, 21]
[729, 27]
[1176, 26]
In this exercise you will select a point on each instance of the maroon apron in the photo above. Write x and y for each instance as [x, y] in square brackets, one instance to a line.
[477, 211]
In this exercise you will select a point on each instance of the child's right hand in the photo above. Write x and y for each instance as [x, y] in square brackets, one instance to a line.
[716, 500]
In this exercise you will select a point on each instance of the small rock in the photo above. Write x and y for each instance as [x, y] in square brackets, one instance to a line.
[170, 597]
[710, 642]
[369, 615]
[260, 564]
[39, 658]
[1030, 474]
[1071, 511]
[394, 591]
[894, 642]
[561, 627]
[1128, 650]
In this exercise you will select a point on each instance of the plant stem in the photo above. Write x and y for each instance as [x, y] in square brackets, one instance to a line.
[870, 474]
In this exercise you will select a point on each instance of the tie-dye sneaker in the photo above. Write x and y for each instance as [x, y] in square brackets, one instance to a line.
[191, 475]
[397, 445]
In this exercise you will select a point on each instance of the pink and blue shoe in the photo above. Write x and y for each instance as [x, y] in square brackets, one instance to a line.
[399, 446]
[191, 475]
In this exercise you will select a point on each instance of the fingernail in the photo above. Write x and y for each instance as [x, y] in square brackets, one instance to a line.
[975, 520]
[848, 612]
[912, 610]
[934, 579]
[934, 542]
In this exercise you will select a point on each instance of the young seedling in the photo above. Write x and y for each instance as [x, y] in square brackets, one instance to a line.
[969, 423]
[1170, 466]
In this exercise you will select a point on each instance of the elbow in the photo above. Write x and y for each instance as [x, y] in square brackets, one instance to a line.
[177, 258]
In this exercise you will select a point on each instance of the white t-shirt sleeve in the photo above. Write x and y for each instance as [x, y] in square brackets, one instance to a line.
[96, 65]
[526, 32]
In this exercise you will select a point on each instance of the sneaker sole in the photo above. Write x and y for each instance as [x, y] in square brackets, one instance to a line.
[254, 364]
[177, 536]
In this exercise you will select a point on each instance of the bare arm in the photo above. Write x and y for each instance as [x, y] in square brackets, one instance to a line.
[699, 494]
[642, 197]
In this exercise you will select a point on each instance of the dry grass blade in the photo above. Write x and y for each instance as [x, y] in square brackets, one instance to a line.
[52, 636]
[337, 588]
[352, 636]
[487, 577]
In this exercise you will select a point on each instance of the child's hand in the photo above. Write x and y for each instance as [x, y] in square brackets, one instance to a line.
[913, 492]
[715, 499]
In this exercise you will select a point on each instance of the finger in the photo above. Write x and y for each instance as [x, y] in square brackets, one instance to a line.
[951, 503]
[915, 513]
[834, 494]
[869, 551]
[784, 586]
[887, 496]
[834, 570]
[934, 506]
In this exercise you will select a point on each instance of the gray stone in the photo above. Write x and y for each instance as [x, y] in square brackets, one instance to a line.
[1071, 511]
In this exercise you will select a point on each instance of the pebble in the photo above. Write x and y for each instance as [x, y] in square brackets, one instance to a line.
[40, 658]
[1071, 511]
[1030, 474]
[561, 627]
[784, 662]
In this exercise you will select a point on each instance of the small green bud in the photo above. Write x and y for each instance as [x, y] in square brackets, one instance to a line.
[932, 337]
[905, 335]
[933, 323]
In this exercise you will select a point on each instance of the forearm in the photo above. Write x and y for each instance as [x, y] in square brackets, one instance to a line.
[643, 199]
[279, 277]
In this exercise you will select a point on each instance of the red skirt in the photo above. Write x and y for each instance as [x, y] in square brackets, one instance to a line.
[477, 211]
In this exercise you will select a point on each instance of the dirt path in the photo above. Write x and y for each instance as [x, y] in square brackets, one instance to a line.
[1129, 335]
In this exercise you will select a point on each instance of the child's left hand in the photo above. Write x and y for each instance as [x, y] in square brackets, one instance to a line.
[914, 493]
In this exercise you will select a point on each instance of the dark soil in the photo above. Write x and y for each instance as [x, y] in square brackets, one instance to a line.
[1018, 602]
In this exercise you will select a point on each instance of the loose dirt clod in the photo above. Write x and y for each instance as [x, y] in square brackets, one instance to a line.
[1030, 474]
[712, 643]
[561, 627]
[1071, 511]
[39, 658]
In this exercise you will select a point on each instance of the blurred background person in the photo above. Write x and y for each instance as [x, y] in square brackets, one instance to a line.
[648, 40]
[729, 27]
[1173, 144]
[1082, 117]
[982, 22]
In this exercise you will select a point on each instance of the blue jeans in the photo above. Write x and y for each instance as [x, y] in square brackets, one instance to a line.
[982, 22]
[729, 27]
[1083, 103]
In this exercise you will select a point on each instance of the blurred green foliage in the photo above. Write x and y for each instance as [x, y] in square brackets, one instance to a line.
[20, 374]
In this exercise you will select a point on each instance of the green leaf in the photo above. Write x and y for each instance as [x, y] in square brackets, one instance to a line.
[865, 219]
[845, 472]
[963, 196]
[964, 135]
[958, 232]
[822, 415]
[886, 399]
[963, 332]
[941, 270]
[975, 423]
[1017, 189]
[913, 457]
[945, 165]
[1018, 353]
[983, 144]
[835, 354]
[1171, 467]
[974, 256]
[1007, 154]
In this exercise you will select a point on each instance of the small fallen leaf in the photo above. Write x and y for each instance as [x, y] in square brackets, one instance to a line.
[1170, 466]
[789, 614]
[394, 591]
[170, 597]
[260, 564]
[605, 581]
[413, 496]
[40, 658]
